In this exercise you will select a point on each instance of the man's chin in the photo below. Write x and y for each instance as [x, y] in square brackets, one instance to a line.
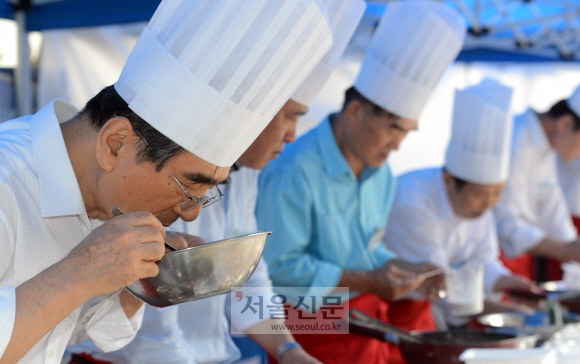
[167, 221]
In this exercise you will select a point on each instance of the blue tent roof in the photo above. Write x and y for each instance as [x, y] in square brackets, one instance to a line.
[506, 30]
[82, 13]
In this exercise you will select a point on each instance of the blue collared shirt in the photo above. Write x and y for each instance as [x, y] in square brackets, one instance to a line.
[324, 219]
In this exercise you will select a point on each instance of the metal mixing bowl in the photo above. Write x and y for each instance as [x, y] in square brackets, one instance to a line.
[202, 271]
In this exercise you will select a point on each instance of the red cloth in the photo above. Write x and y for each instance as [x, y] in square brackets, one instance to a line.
[86, 359]
[409, 315]
[522, 265]
[348, 348]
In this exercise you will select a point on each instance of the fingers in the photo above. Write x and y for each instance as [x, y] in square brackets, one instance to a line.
[395, 272]
[176, 239]
[140, 218]
[151, 252]
[149, 269]
[195, 240]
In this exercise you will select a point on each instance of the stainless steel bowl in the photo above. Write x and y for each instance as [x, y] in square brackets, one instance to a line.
[202, 271]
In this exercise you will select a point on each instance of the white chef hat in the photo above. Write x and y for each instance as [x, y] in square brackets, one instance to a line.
[344, 17]
[479, 150]
[574, 101]
[211, 74]
[411, 48]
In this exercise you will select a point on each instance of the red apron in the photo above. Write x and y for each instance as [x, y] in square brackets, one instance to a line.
[86, 359]
[348, 348]
[554, 272]
[409, 315]
[522, 265]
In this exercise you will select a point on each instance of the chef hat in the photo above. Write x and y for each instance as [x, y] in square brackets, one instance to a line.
[411, 48]
[211, 74]
[574, 101]
[479, 150]
[344, 17]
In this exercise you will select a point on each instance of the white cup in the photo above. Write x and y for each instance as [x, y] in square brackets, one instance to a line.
[465, 289]
[571, 275]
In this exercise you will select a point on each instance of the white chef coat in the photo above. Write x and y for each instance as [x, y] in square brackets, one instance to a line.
[423, 227]
[42, 218]
[203, 327]
[569, 174]
[532, 205]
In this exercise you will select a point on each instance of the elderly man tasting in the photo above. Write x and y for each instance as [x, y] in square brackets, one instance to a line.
[155, 142]
[199, 332]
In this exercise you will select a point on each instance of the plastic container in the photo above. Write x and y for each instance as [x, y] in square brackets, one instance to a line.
[465, 289]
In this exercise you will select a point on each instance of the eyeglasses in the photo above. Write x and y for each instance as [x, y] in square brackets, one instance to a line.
[192, 201]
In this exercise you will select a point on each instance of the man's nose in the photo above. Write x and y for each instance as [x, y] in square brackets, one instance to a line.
[290, 136]
[189, 215]
[396, 143]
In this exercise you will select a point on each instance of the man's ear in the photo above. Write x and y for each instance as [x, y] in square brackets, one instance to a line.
[114, 142]
[564, 124]
[448, 180]
[355, 111]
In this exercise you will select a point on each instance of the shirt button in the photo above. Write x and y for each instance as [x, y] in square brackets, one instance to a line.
[51, 353]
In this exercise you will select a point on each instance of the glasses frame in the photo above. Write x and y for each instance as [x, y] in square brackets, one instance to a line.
[192, 201]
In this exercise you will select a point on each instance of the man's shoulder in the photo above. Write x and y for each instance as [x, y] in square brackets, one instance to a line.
[421, 180]
[302, 154]
[15, 146]
[416, 189]
[17, 165]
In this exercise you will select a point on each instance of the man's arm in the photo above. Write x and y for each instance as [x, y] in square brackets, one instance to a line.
[42, 303]
[271, 342]
[533, 190]
[388, 282]
[114, 255]
[558, 250]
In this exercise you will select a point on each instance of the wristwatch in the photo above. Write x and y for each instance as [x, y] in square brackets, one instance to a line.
[284, 348]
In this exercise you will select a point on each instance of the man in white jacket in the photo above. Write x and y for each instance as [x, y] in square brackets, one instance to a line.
[532, 215]
[63, 171]
[444, 216]
[199, 331]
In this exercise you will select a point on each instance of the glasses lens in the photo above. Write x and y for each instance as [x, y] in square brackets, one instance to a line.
[211, 201]
[193, 203]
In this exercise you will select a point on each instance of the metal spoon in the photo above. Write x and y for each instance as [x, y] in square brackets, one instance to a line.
[377, 324]
[116, 211]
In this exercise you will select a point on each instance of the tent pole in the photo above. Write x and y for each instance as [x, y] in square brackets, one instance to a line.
[23, 73]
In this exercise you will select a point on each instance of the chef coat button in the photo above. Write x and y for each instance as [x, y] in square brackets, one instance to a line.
[51, 353]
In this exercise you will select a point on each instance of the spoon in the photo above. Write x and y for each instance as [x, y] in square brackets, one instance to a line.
[116, 211]
[374, 323]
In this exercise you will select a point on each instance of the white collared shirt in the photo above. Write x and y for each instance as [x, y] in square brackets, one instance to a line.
[42, 218]
[423, 227]
[569, 175]
[532, 205]
[199, 331]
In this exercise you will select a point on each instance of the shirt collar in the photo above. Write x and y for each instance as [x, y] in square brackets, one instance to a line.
[538, 134]
[59, 189]
[444, 207]
[333, 159]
